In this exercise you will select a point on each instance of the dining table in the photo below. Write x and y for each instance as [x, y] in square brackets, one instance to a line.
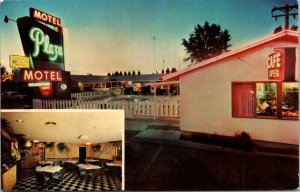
[49, 169]
[71, 161]
[45, 162]
[114, 164]
[89, 166]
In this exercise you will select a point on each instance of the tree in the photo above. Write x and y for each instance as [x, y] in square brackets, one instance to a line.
[5, 75]
[108, 74]
[133, 72]
[173, 70]
[116, 73]
[63, 148]
[139, 73]
[121, 74]
[167, 70]
[96, 148]
[205, 42]
[162, 71]
[129, 73]
[125, 74]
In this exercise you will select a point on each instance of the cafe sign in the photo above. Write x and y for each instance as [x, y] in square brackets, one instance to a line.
[275, 65]
[18, 61]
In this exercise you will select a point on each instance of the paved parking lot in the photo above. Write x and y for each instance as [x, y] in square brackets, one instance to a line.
[171, 164]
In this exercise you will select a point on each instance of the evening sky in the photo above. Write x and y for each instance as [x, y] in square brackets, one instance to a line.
[109, 35]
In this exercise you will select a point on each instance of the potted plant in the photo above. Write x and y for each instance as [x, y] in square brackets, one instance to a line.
[63, 148]
[96, 148]
[49, 147]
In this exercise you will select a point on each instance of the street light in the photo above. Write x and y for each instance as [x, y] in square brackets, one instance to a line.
[6, 19]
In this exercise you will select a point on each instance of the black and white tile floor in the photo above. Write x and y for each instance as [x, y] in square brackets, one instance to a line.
[71, 181]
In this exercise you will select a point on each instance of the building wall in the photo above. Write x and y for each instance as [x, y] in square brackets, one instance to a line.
[205, 104]
[108, 152]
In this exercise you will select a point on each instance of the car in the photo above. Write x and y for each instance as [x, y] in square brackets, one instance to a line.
[12, 95]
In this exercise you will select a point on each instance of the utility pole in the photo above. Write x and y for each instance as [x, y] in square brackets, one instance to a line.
[286, 13]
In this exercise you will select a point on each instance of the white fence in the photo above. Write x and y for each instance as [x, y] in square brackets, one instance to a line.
[92, 95]
[145, 109]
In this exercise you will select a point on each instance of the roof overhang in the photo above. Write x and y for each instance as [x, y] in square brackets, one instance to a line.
[285, 34]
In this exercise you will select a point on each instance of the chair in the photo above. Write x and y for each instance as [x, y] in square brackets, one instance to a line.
[116, 174]
[41, 177]
[38, 168]
[97, 173]
[57, 163]
[57, 176]
[81, 171]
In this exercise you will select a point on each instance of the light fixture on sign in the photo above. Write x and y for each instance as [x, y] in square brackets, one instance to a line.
[63, 86]
[49, 123]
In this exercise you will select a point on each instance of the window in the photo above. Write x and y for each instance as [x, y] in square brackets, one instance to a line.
[290, 103]
[265, 99]
[243, 100]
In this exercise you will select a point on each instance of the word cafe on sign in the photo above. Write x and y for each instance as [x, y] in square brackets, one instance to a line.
[275, 65]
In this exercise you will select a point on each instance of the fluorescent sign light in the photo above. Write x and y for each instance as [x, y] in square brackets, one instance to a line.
[38, 84]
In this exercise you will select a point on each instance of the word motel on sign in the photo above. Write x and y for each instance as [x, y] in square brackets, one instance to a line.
[42, 43]
[40, 75]
[46, 17]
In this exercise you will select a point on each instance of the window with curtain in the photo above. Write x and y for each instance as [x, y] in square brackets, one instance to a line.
[243, 100]
[265, 99]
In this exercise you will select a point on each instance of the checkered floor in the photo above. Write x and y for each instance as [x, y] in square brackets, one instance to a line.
[71, 181]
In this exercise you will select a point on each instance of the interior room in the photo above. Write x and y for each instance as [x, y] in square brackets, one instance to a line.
[62, 150]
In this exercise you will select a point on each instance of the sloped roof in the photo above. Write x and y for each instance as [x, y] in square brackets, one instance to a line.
[285, 34]
[97, 78]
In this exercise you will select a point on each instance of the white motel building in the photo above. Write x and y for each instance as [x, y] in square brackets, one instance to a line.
[254, 89]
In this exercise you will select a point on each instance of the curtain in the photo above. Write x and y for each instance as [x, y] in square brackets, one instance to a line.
[243, 100]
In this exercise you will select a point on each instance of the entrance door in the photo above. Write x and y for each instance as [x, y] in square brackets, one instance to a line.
[82, 154]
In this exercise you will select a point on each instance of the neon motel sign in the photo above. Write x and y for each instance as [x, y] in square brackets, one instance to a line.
[31, 75]
[45, 17]
[42, 43]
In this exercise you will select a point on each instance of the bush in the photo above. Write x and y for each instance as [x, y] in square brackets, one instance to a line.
[243, 141]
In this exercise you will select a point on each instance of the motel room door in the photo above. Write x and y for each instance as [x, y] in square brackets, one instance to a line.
[82, 154]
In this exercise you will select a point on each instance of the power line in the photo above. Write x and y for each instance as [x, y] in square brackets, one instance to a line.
[286, 13]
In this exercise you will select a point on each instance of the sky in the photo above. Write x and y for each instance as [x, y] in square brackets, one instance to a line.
[117, 35]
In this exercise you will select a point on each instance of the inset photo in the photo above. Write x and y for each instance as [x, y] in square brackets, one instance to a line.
[62, 150]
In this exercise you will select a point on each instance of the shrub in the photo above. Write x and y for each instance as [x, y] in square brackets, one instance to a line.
[243, 141]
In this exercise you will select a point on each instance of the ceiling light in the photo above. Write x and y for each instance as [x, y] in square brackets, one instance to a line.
[19, 120]
[83, 137]
[49, 123]
[88, 143]
[35, 141]
[28, 144]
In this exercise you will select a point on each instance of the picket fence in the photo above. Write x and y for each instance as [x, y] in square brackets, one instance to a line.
[149, 108]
